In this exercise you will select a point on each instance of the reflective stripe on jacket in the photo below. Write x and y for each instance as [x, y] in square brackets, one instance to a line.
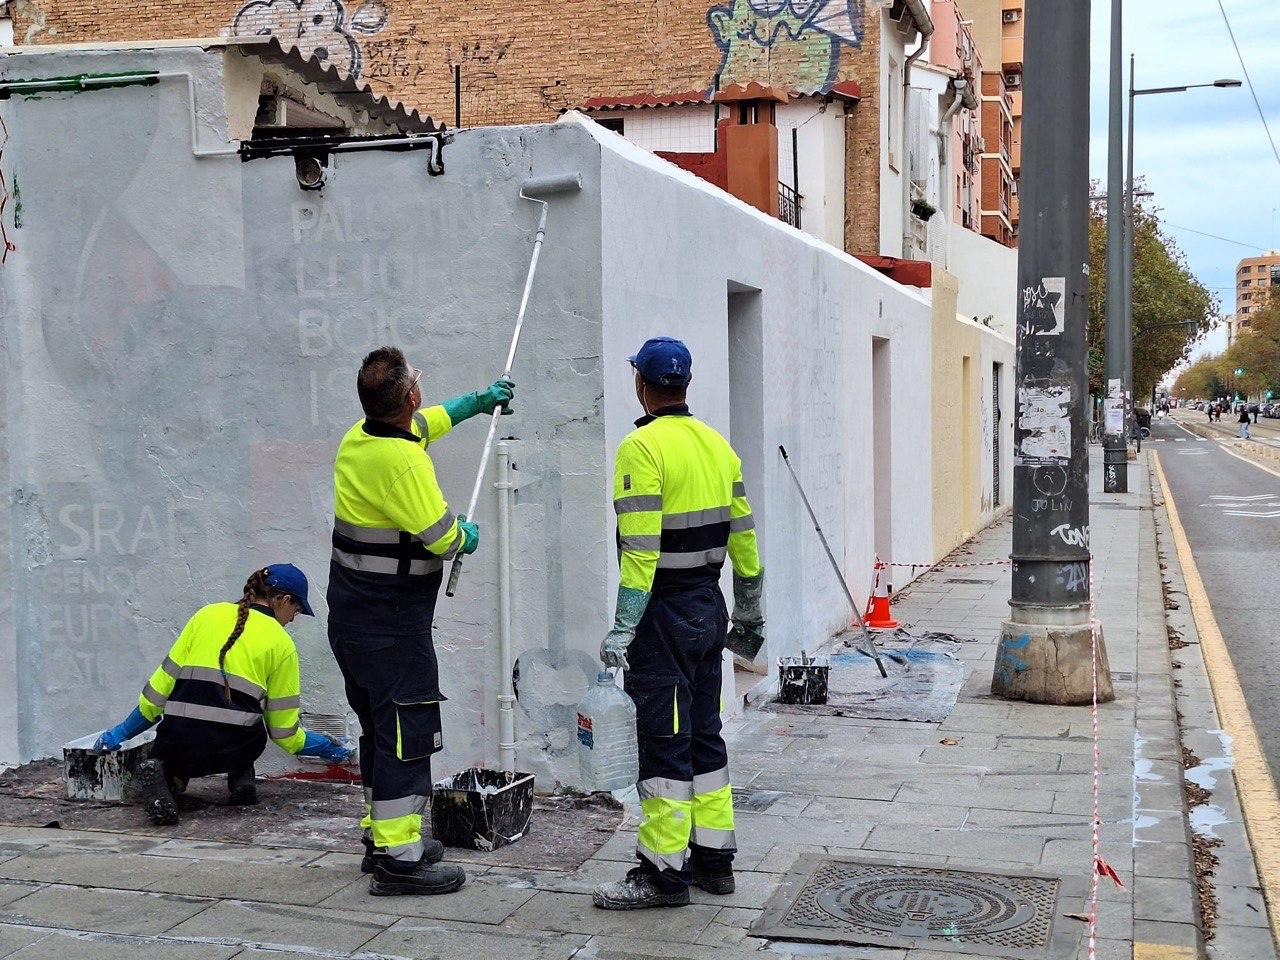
[681, 504]
[392, 526]
[261, 669]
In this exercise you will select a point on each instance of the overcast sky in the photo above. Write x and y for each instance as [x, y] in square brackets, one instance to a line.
[1203, 152]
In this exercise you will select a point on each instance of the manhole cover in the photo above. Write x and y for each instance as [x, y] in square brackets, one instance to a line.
[1006, 915]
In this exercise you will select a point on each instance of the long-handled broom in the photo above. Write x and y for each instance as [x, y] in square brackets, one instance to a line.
[866, 634]
[533, 189]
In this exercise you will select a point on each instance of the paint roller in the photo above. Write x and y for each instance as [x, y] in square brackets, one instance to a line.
[534, 189]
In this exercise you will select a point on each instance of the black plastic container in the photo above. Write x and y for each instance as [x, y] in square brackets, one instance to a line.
[803, 680]
[480, 809]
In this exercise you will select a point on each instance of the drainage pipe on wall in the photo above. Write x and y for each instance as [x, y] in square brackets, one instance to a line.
[920, 16]
[962, 97]
[506, 695]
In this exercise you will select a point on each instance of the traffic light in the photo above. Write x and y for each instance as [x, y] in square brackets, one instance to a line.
[1239, 371]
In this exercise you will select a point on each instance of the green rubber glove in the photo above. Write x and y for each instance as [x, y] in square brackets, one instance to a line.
[470, 535]
[484, 401]
[747, 634]
[630, 608]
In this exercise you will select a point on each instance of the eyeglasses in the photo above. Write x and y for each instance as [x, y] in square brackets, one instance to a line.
[417, 375]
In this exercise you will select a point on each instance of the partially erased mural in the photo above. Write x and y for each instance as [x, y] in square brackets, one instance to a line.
[317, 28]
[791, 43]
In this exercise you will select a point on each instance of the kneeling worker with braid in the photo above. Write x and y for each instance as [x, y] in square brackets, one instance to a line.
[229, 681]
[681, 508]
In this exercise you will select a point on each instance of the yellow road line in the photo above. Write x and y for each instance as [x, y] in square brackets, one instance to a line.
[1254, 783]
[1162, 951]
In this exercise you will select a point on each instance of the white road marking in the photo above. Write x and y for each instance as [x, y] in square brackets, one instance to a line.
[1258, 496]
[1179, 439]
[1250, 513]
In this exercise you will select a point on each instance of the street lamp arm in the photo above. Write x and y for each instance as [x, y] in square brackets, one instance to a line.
[1171, 323]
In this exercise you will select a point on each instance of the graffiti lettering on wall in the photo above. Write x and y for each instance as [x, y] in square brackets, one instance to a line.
[395, 58]
[794, 43]
[316, 28]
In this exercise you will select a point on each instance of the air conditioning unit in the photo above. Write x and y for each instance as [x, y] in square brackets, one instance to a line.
[1012, 16]
[1013, 81]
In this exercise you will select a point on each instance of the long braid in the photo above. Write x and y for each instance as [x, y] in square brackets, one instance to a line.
[255, 588]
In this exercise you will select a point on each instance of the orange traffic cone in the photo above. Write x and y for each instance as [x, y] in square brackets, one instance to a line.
[879, 616]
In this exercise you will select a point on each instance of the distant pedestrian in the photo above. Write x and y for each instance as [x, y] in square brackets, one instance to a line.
[1255, 410]
[1244, 422]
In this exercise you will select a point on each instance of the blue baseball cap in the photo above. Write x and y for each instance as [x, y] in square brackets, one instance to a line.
[287, 578]
[664, 361]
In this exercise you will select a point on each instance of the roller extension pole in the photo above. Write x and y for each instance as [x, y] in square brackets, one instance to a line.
[567, 183]
[866, 634]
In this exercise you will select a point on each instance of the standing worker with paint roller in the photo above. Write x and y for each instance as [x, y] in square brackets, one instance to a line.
[682, 508]
[392, 533]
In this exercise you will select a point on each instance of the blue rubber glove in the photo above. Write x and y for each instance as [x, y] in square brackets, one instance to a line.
[128, 728]
[325, 747]
[470, 535]
[484, 401]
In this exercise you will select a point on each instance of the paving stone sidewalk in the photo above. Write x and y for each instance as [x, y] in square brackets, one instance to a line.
[997, 787]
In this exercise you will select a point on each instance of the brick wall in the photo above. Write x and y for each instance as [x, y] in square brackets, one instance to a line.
[519, 63]
[527, 62]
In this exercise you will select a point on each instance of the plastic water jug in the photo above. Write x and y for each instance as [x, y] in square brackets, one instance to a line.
[608, 753]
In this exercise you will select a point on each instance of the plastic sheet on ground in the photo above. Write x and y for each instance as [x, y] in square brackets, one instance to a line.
[923, 683]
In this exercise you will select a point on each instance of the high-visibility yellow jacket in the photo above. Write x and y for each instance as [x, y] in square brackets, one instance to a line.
[261, 667]
[681, 504]
[392, 528]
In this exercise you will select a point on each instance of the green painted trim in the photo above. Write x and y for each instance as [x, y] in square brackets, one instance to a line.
[78, 83]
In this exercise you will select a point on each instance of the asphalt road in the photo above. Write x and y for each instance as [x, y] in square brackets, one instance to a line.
[1230, 510]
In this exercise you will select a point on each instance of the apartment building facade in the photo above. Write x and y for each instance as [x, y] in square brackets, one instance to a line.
[998, 30]
[1257, 279]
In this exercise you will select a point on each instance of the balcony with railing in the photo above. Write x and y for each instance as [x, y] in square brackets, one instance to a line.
[789, 203]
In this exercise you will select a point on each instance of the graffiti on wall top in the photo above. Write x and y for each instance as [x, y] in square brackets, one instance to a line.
[794, 43]
[317, 28]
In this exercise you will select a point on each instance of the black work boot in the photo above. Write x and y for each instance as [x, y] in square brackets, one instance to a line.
[393, 878]
[157, 800]
[242, 786]
[721, 884]
[433, 853]
[638, 890]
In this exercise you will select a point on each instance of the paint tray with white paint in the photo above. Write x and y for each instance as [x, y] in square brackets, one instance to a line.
[104, 775]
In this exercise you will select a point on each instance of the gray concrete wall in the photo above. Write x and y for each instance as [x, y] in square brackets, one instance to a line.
[181, 337]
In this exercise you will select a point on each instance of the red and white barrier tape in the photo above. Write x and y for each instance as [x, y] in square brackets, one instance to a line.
[1100, 867]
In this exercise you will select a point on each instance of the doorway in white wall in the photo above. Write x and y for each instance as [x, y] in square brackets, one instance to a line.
[996, 370]
[882, 449]
[746, 426]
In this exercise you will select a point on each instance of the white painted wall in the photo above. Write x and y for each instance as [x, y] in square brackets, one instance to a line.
[821, 309]
[892, 155]
[689, 129]
[820, 145]
[172, 404]
[988, 273]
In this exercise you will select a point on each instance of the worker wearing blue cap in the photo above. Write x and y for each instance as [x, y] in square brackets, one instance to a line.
[682, 509]
[229, 682]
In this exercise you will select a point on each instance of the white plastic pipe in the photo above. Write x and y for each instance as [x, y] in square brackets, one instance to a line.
[506, 695]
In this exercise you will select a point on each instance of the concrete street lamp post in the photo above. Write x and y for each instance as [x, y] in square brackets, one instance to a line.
[1129, 195]
[1046, 646]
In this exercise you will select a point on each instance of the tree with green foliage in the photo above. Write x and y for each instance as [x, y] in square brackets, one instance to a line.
[1164, 290]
